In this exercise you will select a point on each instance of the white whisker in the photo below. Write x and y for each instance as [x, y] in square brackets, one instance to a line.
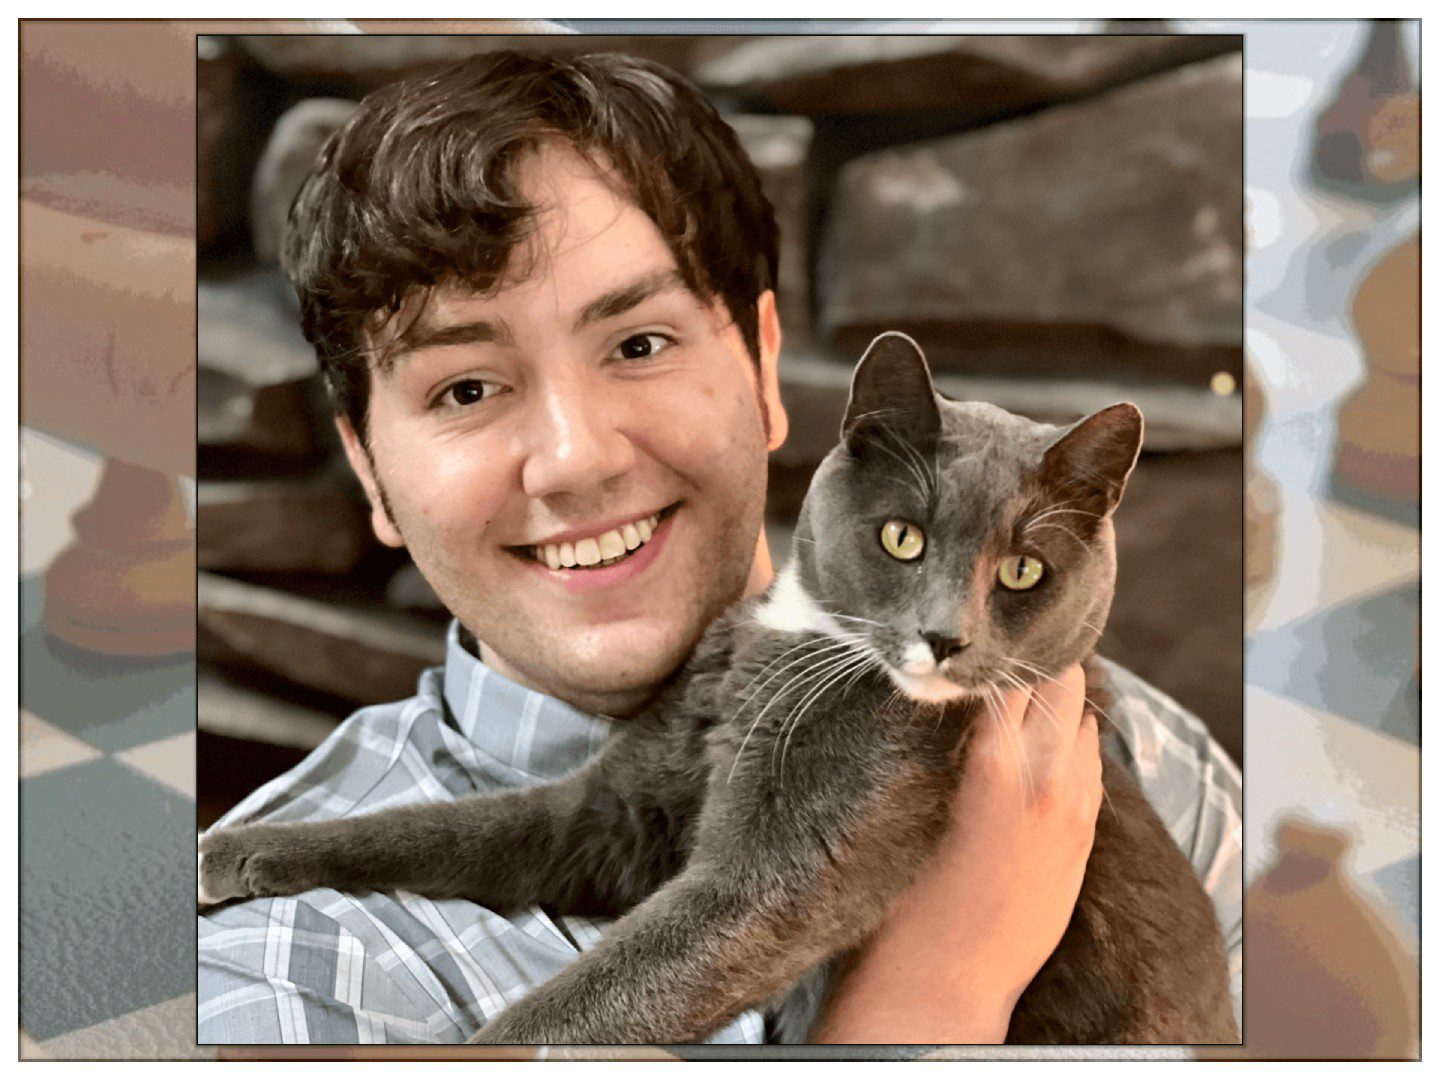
[818, 647]
[1022, 766]
[922, 471]
[861, 660]
[818, 669]
[1068, 532]
[1046, 709]
[855, 618]
[917, 488]
[1058, 509]
[1025, 665]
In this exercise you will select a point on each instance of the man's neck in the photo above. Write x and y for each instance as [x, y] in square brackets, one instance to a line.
[613, 705]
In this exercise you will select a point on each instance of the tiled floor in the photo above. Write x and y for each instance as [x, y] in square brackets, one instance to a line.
[107, 807]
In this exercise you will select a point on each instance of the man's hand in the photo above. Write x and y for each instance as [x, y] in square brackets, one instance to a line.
[960, 945]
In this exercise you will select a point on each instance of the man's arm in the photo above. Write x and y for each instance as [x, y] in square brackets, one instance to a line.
[961, 944]
[330, 967]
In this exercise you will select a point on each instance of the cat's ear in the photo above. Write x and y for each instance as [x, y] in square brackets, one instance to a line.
[891, 393]
[1091, 461]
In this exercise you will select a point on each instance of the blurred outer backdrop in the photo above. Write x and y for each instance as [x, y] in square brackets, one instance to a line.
[107, 743]
[1056, 219]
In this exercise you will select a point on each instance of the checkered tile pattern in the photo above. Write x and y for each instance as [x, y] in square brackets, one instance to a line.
[107, 800]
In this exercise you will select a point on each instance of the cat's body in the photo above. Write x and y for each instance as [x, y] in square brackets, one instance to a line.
[757, 819]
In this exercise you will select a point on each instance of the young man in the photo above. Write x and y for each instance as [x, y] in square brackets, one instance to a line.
[542, 294]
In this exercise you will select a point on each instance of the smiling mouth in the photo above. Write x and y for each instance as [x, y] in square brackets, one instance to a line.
[599, 551]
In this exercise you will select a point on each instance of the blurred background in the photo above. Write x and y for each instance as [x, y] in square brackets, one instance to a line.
[894, 162]
[1056, 219]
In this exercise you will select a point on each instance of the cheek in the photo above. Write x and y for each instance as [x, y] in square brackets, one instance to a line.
[1038, 621]
[707, 427]
[455, 492]
[1012, 617]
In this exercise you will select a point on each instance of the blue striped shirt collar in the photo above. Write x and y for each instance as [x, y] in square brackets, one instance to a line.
[519, 727]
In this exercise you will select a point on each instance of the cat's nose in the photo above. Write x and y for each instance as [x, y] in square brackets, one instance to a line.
[942, 647]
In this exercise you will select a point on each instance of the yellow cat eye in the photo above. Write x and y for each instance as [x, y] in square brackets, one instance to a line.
[901, 539]
[1020, 572]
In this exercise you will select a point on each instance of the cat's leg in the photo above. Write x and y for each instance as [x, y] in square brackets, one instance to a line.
[1143, 959]
[678, 967]
[505, 851]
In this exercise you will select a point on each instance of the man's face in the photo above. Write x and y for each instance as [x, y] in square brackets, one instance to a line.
[561, 412]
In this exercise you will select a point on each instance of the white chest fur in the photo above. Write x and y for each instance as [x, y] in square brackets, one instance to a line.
[790, 609]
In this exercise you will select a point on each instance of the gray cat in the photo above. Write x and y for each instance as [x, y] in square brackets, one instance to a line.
[756, 820]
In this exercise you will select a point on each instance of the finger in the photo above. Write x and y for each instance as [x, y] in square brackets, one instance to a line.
[1087, 761]
[1004, 712]
[1056, 705]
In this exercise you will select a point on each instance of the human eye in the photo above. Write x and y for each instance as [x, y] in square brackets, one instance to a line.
[642, 346]
[465, 393]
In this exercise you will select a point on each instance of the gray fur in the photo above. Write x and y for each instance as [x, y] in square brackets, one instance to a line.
[753, 824]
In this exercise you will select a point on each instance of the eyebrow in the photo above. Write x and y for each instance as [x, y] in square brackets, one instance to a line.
[626, 297]
[616, 302]
[424, 336]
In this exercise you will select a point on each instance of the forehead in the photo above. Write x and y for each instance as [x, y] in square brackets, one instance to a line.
[585, 236]
[980, 439]
[987, 459]
[581, 211]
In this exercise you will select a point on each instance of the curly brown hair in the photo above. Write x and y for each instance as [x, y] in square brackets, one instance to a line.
[420, 188]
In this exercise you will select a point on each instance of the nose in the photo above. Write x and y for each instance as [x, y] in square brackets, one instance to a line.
[575, 441]
[942, 647]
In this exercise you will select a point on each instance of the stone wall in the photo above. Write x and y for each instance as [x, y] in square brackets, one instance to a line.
[1055, 219]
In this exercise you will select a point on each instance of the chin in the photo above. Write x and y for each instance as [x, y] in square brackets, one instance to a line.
[630, 659]
[932, 689]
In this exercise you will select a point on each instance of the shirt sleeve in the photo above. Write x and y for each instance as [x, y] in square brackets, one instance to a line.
[1195, 788]
[281, 971]
[332, 967]
[328, 967]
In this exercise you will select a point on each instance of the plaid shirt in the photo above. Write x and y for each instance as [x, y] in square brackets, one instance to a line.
[331, 967]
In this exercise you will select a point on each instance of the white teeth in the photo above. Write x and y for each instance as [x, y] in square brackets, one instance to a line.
[603, 550]
[587, 553]
[612, 545]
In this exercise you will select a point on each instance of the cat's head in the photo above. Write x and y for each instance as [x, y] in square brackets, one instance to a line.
[957, 541]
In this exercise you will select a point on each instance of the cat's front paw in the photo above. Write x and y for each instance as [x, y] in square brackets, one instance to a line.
[530, 1023]
[219, 868]
[515, 1032]
[572, 1016]
[203, 896]
[231, 864]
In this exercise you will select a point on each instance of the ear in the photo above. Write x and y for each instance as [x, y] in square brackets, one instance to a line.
[891, 392]
[363, 465]
[777, 421]
[1092, 460]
